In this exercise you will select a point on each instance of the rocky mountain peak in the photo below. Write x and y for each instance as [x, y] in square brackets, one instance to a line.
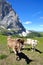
[9, 18]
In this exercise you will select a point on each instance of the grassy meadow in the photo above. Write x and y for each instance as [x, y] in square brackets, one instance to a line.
[27, 56]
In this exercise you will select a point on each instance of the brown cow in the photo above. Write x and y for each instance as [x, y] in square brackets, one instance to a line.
[15, 44]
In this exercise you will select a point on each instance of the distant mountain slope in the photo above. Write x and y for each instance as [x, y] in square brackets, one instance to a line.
[34, 34]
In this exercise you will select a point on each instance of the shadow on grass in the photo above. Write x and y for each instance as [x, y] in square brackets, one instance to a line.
[38, 51]
[28, 49]
[3, 56]
[23, 56]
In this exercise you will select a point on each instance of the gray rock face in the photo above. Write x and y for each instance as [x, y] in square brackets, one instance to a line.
[9, 18]
[5, 8]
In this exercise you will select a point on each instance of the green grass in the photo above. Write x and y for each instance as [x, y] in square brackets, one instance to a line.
[7, 58]
[2, 56]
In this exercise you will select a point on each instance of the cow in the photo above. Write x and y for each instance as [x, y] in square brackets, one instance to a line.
[15, 44]
[31, 42]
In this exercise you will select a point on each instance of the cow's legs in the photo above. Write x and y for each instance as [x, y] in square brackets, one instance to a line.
[9, 48]
[14, 50]
[19, 50]
[33, 47]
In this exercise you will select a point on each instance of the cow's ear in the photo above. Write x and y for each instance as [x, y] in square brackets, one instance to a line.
[18, 39]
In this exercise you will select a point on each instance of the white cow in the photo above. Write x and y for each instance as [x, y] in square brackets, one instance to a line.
[31, 42]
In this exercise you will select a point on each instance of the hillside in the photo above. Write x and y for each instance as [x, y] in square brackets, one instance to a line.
[27, 56]
[35, 34]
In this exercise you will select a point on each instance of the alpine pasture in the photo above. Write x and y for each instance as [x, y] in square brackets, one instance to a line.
[27, 57]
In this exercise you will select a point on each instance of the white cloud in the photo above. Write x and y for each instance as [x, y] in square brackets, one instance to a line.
[28, 22]
[41, 25]
[41, 17]
[36, 13]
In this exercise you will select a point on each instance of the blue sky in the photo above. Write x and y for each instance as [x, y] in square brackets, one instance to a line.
[30, 13]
